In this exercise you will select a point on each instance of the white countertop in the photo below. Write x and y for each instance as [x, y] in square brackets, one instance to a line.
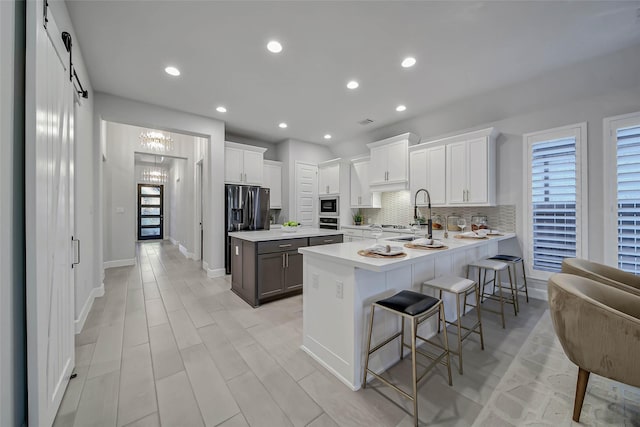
[368, 228]
[347, 253]
[278, 234]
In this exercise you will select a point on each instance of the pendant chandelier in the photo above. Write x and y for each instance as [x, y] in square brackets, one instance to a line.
[154, 175]
[156, 141]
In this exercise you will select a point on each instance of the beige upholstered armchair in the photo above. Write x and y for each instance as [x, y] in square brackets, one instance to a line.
[602, 273]
[599, 329]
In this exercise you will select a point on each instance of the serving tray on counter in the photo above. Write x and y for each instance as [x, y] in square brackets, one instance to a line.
[375, 255]
[423, 247]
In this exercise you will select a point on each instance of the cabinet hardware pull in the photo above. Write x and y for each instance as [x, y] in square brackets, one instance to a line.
[287, 260]
[283, 266]
[78, 252]
[284, 246]
[329, 241]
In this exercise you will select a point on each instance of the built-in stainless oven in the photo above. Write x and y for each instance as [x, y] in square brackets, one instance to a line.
[329, 223]
[329, 206]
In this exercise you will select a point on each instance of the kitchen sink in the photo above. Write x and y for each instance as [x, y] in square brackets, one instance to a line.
[400, 239]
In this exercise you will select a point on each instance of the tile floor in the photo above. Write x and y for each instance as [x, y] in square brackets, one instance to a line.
[168, 346]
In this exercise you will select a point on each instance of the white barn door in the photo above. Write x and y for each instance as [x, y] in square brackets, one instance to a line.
[50, 250]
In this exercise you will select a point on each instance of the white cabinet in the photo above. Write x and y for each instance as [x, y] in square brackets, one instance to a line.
[243, 164]
[273, 181]
[389, 168]
[352, 235]
[360, 195]
[427, 170]
[329, 179]
[470, 171]
[457, 171]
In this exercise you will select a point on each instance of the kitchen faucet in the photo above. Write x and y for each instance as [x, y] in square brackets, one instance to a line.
[415, 212]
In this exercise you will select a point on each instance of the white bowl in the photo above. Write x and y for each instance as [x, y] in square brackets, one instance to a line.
[290, 229]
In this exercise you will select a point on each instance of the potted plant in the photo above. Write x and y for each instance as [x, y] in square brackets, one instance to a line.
[357, 218]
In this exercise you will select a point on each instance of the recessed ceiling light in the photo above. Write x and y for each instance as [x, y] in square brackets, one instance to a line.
[353, 84]
[282, 125]
[172, 71]
[408, 62]
[274, 46]
[401, 108]
[221, 109]
[327, 136]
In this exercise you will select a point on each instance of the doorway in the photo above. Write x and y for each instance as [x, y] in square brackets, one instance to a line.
[150, 212]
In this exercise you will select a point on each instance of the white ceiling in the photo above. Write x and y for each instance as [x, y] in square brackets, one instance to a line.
[462, 49]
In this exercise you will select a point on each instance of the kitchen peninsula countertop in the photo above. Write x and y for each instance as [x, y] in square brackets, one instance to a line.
[339, 286]
[279, 234]
[347, 253]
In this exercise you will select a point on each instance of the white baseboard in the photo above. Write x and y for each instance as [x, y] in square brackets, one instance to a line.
[119, 263]
[173, 241]
[82, 317]
[212, 273]
[184, 251]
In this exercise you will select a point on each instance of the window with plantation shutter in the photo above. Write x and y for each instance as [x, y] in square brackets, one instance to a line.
[555, 198]
[622, 184]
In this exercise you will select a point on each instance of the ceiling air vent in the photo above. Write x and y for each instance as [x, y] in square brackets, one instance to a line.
[365, 122]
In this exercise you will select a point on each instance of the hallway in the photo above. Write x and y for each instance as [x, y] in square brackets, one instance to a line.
[166, 345]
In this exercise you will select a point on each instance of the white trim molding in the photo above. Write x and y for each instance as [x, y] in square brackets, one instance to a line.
[86, 308]
[212, 273]
[610, 125]
[119, 263]
[184, 251]
[173, 241]
[579, 132]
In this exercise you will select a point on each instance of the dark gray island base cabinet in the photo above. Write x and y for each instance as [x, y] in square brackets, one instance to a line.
[266, 271]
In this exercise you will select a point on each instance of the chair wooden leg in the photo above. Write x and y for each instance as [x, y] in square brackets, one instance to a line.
[581, 388]
[524, 277]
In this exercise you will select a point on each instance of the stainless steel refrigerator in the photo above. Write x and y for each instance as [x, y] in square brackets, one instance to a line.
[246, 209]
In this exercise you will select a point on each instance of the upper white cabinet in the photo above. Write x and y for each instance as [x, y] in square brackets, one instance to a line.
[457, 170]
[329, 178]
[360, 194]
[471, 178]
[273, 181]
[389, 168]
[427, 170]
[243, 164]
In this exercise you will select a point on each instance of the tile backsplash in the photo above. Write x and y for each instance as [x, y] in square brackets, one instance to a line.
[397, 208]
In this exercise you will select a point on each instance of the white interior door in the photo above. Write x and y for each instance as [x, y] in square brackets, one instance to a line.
[306, 194]
[50, 281]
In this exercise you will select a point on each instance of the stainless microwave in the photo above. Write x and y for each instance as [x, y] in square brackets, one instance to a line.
[329, 206]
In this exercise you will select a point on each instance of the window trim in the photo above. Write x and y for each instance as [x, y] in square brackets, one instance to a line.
[579, 131]
[610, 182]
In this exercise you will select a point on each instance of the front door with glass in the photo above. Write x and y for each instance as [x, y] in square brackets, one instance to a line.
[150, 212]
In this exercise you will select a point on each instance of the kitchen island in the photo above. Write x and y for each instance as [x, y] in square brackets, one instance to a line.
[340, 285]
[266, 265]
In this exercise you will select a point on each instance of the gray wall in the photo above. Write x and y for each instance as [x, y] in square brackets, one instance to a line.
[115, 109]
[289, 152]
[120, 189]
[588, 91]
[12, 298]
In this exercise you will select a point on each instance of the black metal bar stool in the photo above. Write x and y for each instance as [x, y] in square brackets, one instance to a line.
[513, 261]
[459, 286]
[416, 308]
[497, 267]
